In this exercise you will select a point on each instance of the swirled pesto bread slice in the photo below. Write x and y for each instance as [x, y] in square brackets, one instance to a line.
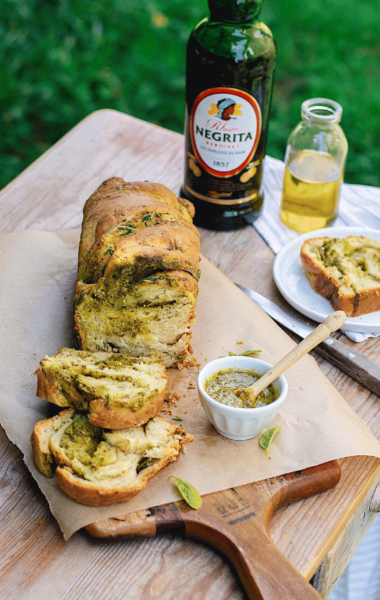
[138, 271]
[152, 316]
[345, 271]
[117, 390]
[98, 467]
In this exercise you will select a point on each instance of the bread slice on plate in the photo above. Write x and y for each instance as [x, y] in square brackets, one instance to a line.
[345, 271]
[118, 391]
[99, 467]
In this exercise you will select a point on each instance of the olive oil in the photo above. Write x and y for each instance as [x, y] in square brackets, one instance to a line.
[311, 189]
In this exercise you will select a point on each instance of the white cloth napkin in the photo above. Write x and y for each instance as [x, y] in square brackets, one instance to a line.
[359, 207]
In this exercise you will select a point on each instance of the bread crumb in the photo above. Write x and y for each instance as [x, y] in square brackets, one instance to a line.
[38, 522]
[171, 397]
[191, 361]
[205, 359]
[240, 342]
[171, 400]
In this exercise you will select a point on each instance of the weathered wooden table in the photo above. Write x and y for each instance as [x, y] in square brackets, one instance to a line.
[318, 535]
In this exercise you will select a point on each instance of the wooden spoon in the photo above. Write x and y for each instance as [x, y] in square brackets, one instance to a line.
[332, 323]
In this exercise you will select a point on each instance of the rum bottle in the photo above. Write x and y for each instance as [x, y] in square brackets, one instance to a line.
[229, 81]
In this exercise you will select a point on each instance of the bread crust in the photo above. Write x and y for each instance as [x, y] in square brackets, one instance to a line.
[170, 235]
[327, 285]
[88, 492]
[188, 205]
[100, 414]
[116, 199]
[41, 453]
[308, 261]
[48, 389]
[110, 417]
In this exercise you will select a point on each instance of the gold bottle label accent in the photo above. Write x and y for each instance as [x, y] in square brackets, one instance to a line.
[244, 200]
[225, 127]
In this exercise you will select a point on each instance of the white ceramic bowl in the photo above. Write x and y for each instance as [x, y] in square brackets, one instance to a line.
[239, 423]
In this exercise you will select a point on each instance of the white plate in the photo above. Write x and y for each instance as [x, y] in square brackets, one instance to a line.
[293, 284]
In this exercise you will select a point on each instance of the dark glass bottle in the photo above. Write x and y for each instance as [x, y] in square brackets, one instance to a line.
[229, 81]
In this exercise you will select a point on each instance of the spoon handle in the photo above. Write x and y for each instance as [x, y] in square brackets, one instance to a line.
[332, 323]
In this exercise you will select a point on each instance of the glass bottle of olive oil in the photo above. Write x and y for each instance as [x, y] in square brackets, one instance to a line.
[314, 167]
[230, 67]
[311, 191]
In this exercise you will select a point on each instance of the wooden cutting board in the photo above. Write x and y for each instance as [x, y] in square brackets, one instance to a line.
[236, 523]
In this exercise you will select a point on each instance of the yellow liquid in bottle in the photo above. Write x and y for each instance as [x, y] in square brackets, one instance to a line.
[310, 195]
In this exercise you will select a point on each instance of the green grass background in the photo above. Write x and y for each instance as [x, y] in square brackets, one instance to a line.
[62, 59]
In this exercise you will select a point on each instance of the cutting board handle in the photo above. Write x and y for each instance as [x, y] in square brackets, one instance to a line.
[263, 570]
[242, 534]
[236, 522]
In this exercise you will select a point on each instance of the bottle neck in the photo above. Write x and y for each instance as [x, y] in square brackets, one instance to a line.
[321, 112]
[234, 11]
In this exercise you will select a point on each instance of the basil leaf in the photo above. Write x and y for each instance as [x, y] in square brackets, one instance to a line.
[267, 437]
[246, 353]
[188, 492]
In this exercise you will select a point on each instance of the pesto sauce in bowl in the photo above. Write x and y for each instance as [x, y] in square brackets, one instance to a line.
[221, 385]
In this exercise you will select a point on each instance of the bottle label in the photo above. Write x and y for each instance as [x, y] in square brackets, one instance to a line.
[225, 127]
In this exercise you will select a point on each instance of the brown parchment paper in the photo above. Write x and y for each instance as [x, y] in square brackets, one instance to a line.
[37, 279]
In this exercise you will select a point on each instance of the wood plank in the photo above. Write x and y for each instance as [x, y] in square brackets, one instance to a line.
[105, 143]
[340, 553]
[35, 561]
[236, 523]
